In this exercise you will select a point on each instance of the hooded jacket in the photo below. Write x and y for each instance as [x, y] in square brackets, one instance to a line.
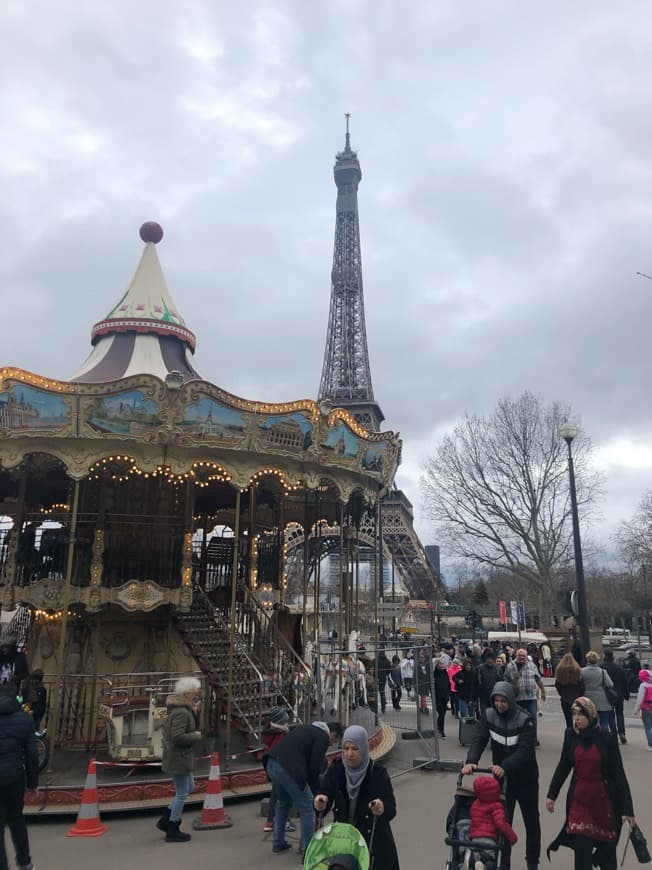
[488, 811]
[18, 753]
[512, 741]
[180, 736]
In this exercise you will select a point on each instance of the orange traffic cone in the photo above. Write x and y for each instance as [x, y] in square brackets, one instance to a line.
[88, 822]
[212, 814]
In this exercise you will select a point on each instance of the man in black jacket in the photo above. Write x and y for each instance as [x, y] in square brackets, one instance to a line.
[620, 681]
[18, 770]
[294, 766]
[486, 677]
[511, 732]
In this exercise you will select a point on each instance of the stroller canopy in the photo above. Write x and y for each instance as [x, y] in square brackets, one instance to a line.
[337, 840]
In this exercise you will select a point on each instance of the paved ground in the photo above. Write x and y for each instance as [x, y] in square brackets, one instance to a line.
[424, 799]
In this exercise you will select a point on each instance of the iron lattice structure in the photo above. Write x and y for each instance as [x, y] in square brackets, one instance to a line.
[346, 374]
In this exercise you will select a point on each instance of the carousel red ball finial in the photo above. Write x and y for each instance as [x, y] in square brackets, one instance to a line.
[151, 232]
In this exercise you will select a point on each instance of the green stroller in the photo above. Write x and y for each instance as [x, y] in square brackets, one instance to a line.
[338, 845]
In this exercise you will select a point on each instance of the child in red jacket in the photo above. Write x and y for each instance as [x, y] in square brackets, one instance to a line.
[488, 821]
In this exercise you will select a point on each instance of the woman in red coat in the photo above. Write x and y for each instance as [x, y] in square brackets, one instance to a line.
[599, 799]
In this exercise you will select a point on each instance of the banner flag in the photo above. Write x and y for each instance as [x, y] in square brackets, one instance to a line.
[513, 606]
[502, 608]
[521, 615]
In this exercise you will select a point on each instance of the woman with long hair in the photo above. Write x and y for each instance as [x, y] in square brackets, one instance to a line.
[569, 684]
[599, 799]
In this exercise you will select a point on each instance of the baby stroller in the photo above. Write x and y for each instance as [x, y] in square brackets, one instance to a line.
[338, 845]
[458, 828]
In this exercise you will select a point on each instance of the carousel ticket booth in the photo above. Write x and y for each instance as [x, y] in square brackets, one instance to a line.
[148, 520]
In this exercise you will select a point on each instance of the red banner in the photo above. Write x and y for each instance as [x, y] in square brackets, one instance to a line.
[503, 612]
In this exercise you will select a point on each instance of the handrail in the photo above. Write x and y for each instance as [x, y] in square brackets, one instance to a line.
[278, 636]
[217, 618]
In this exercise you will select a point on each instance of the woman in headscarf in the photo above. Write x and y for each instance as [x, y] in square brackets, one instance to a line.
[599, 799]
[360, 792]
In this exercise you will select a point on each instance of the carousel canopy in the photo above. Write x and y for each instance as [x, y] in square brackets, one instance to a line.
[144, 333]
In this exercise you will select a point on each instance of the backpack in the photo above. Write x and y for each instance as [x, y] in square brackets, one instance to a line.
[646, 703]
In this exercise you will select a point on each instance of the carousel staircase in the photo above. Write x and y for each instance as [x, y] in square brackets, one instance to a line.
[206, 633]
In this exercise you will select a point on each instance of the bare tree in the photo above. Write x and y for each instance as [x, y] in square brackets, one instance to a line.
[497, 489]
[634, 536]
[634, 541]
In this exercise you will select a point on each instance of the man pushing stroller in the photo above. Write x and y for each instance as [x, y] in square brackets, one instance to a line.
[511, 732]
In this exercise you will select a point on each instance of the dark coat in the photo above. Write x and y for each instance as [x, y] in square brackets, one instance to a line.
[180, 736]
[422, 675]
[568, 692]
[486, 677]
[442, 686]
[512, 742]
[619, 678]
[302, 754]
[613, 775]
[376, 784]
[465, 684]
[18, 753]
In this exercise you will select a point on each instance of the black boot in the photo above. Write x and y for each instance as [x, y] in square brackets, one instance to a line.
[164, 821]
[174, 835]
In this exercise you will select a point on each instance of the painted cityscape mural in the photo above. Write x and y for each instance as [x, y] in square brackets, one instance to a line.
[208, 420]
[128, 413]
[25, 408]
[292, 432]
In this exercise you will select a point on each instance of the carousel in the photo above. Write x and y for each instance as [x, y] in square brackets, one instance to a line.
[153, 525]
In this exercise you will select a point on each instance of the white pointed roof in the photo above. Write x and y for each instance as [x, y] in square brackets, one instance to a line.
[144, 333]
[146, 306]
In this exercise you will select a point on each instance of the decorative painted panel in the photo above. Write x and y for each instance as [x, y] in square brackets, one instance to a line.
[209, 421]
[26, 409]
[285, 432]
[128, 413]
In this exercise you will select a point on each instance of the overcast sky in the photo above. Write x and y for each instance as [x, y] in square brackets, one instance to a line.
[506, 198]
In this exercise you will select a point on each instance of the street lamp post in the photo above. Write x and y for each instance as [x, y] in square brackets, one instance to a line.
[568, 432]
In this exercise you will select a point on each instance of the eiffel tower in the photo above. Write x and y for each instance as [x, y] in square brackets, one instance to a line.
[346, 373]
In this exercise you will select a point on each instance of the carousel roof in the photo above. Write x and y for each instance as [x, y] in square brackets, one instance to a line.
[144, 333]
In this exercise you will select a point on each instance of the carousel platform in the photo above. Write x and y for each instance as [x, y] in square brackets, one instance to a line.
[135, 788]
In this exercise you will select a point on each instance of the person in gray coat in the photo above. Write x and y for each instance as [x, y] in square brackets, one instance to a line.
[180, 736]
[595, 681]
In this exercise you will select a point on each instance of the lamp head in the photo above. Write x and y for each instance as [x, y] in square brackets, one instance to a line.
[568, 431]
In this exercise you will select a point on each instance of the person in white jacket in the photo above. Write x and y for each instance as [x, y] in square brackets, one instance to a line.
[643, 706]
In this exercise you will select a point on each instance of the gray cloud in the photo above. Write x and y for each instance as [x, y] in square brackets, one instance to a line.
[505, 200]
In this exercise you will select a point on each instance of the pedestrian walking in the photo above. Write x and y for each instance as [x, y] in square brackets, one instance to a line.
[18, 771]
[596, 683]
[486, 677]
[407, 672]
[293, 767]
[621, 687]
[524, 677]
[454, 668]
[632, 666]
[383, 669]
[442, 694]
[599, 799]
[464, 681]
[569, 684]
[422, 677]
[395, 683]
[360, 792]
[643, 706]
[180, 737]
[511, 732]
